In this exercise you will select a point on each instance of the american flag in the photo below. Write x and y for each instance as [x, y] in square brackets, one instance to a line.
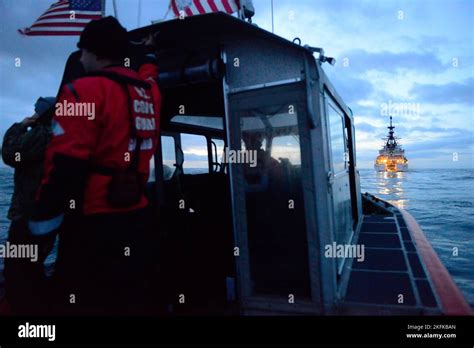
[65, 17]
[195, 7]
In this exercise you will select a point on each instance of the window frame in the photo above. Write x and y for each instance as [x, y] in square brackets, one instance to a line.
[330, 103]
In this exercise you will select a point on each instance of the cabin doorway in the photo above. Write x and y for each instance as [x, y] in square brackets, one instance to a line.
[268, 201]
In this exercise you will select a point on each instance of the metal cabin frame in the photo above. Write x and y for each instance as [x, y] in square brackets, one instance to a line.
[218, 65]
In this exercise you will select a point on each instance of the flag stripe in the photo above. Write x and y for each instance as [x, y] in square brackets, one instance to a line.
[206, 6]
[188, 11]
[53, 33]
[59, 9]
[235, 5]
[175, 8]
[78, 16]
[227, 6]
[58, 5]
[68, 13]
[220, 6]
[55, 29]
[66, 20]
[199, 7]
[61, 24]
[212, 5]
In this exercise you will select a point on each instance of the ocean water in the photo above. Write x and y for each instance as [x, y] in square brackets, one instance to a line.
[441, 200]
[6, 189]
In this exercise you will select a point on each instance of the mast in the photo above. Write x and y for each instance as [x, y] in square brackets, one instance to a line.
[139, 13]
[391, 128]
[102, 7]
[273, 27]
[115, 9]
[391, 143]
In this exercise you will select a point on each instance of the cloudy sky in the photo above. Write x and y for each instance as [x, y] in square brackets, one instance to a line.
[414, 59]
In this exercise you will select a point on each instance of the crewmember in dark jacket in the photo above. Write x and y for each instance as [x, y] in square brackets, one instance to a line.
[24, 146]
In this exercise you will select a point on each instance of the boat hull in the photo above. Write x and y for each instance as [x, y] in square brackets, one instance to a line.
[452, 300]
[399, 260]
[399, 167]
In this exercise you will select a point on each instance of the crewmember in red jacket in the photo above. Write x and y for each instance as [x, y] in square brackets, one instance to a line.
[105, 130]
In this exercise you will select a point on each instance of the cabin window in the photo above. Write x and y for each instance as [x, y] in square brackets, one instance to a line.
[168, 152]
[287, 147]
[276, 225]
[338, 144]
[195, 154]
[217, 153]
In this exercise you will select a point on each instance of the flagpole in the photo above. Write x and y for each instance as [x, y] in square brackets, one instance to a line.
[273, 27]
[167, 11]
[139, 12]
[115, 9]
[103, 7]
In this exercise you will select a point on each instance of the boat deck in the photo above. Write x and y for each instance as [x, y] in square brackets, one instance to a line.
[392, 277]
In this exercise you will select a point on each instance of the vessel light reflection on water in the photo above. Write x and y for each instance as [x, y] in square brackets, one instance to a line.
[391, 185]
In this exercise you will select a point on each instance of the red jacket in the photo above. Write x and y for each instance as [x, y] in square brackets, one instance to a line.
[98, 133]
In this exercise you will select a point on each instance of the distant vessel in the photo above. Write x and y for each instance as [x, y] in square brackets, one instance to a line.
[391, 157]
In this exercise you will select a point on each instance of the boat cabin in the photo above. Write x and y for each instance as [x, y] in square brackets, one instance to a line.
[256, 231]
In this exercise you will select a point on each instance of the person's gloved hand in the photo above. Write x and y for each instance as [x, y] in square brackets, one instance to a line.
[29, 121]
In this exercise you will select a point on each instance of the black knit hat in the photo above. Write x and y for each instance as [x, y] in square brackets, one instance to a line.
[105, 37]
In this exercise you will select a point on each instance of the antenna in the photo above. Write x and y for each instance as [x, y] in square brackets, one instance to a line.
[102, 7]
[391, 126]
[115, 9]
[167, 11]
[273, 26]
[139, 13]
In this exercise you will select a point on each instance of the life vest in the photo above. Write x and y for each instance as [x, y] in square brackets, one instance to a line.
[127, 107]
